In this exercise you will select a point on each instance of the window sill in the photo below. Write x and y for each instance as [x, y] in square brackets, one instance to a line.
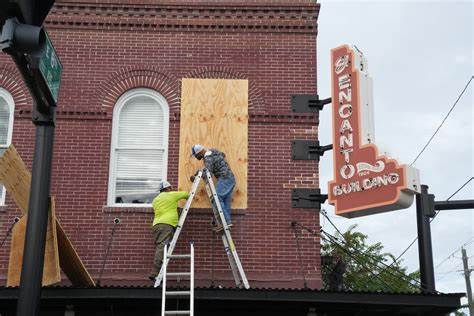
[127, 209]
[131, 210]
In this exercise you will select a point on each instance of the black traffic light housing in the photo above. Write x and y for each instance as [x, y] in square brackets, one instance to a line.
[21, 38]
[32, 12]
[22, 22]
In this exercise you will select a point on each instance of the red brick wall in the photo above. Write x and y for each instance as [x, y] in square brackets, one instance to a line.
[108, 49]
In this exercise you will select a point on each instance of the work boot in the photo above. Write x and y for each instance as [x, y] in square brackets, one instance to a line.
[218, 228]
[152, 276]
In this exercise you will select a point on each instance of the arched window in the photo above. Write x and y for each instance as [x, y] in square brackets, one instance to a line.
[139, 149]
[6, 128]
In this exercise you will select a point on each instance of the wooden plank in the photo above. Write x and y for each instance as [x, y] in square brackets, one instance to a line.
[16, 252]
[17, 179]
[51, 270]
[214, 113]
[70, 261]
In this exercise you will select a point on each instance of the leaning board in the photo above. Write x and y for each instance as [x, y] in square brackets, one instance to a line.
[16, 179]
[214, 113]
[51, 270]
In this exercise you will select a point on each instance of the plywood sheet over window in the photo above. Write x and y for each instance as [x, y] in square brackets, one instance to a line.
[214, 113]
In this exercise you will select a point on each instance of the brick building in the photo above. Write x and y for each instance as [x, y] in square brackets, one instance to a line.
[140, 50]
[124, 62]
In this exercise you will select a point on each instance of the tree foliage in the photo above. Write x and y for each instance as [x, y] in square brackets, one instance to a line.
[366, 265]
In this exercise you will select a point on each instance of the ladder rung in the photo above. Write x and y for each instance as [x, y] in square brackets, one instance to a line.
[177, 313]
[178, 274]
[178, 293]
[179, 256]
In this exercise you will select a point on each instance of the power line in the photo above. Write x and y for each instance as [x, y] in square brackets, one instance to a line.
[452, 195]
[442, 122]
[470, 240]
[416, 238]
[449, 272]
[377, 277]
[462, 187]
[388, 269]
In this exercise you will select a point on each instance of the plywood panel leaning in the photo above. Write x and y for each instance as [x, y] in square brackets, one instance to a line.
[214, 113]
[70, 261]
[17, 179]
[51, 270]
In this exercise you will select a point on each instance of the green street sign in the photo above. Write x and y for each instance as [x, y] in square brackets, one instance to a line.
[51, 68]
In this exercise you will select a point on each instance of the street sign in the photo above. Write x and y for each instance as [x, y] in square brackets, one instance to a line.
[51, 68]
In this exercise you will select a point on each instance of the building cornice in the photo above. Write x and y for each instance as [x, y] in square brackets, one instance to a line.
[277, 18]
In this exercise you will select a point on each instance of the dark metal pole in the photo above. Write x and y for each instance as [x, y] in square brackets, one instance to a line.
[35, 237]
[454, 205]
[423, 209]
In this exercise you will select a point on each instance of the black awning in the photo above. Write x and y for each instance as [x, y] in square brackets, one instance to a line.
[229, 302]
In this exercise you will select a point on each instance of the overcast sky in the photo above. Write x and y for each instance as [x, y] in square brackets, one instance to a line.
[420, 56]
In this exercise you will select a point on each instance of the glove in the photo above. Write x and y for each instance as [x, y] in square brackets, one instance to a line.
[192, 178]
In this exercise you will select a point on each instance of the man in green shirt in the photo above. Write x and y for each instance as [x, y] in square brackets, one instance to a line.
[165, 206]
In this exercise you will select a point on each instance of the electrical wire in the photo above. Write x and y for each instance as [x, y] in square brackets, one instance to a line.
[387, 268]
[298, 248]
[416, 238]
[470, 240]
[462, 187]
[344, 249]
[398, 274]
[442, 122]
[444, 274]
[15, 220]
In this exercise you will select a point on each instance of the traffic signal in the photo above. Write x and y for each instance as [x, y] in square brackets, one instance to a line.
[22, 22]
[32, 12]
[35, 11]
[21, 38]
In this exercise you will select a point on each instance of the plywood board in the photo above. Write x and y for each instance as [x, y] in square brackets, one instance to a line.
[51, 270]
[214, 113]
[70, 262]
[17, 179]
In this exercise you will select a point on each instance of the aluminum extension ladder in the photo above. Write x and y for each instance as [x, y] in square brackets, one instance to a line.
[189, 293]
[229, 247]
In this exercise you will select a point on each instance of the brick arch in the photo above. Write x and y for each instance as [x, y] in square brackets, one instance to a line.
[138, 77]
[11, 81]
[256, 100]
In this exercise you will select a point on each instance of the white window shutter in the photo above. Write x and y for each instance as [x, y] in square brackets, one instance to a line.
[139, 147]
[4, 122]
[6, 128]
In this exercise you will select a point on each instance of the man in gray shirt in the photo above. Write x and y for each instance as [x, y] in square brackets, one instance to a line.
[215, 162]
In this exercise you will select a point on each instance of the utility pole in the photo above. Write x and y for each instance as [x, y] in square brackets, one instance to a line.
[467, 276]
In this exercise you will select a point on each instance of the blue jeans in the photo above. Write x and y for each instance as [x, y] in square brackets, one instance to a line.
[224, 189]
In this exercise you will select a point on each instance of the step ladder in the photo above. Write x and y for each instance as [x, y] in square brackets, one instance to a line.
[229, 246]
[180, 294]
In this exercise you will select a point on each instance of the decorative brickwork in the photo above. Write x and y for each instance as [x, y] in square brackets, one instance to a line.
[138, 77]
[187, 16]
[11, 81]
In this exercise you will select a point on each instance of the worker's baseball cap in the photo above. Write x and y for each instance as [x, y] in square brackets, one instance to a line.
[164, 185]
[195, 149]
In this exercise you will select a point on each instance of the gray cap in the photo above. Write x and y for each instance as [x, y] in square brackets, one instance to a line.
[196, 149]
